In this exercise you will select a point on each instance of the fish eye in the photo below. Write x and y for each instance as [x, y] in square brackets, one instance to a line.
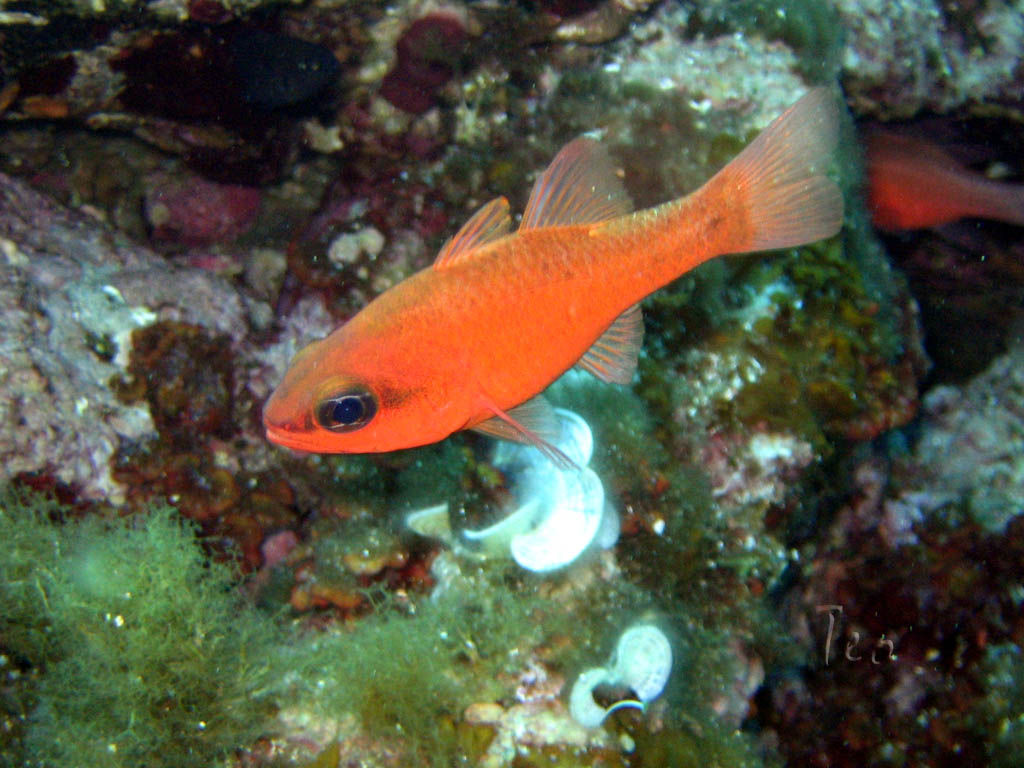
[346, 411]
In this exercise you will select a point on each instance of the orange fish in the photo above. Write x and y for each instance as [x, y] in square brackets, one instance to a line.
[914, 184]
[471, 341]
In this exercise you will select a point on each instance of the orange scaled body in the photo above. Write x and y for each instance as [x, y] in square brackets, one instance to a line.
[470, 342]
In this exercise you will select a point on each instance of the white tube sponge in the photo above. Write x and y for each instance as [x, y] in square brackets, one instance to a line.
[642, 662]
[575, 503]
[561, 513]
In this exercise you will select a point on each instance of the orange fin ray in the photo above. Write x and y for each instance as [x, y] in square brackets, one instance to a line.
[781, 176]
[532, 422]
[579, 187]
[490, 223]
[613, 357]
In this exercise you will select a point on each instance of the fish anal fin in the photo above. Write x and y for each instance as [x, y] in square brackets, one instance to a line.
[613, 357]
[579, 187]
[490, 223]
[533, 422]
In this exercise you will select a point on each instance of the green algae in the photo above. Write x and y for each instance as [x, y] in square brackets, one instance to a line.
[623, 428]
[405, 673]
[143, 651]
[408, 671]
[134, 648]
[1003, 668]
[798, 345]
[702, 743]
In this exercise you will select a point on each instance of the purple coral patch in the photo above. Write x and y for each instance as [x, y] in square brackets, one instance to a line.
[427, 55]
[197, 212]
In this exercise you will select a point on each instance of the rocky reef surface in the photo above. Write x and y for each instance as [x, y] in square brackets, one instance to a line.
[798, 538]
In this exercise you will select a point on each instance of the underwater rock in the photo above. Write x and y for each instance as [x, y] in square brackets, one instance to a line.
[166, 11]
[594, 22]
[755, 468]
[925, 555]
[347, 248]
[970, 451]
[374, 226]
[187, 378]
[736, 73]
[901, 58]
[307, 321]
[227, 73]
[914, 593]
[194, 212]
[71, 296]
[225, 97]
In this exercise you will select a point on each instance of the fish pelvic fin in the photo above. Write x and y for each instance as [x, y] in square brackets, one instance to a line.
[613, 357]
[533, 422]
[779, 178]
[579, 187]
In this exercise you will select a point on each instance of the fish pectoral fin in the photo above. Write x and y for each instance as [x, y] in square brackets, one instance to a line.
[613, 357]
[579, 187]
[532, 422]
[489, 223]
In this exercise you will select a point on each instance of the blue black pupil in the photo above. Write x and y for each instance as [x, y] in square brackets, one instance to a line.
[347, 410]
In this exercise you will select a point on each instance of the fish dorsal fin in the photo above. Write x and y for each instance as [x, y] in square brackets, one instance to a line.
[579, 187]
[614, 355]
[489, 223]
[533, 422]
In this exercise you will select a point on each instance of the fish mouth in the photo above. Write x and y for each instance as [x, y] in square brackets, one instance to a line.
[291, 440]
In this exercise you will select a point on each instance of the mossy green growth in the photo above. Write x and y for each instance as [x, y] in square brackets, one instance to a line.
[148, 655]
[803, 350]
[1004, 679]
[625, 436]
[402, 479]
[408, 671]
[705, 741]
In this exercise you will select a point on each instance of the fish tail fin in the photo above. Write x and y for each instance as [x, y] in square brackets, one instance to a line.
[1008, 204]
[779, 184]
